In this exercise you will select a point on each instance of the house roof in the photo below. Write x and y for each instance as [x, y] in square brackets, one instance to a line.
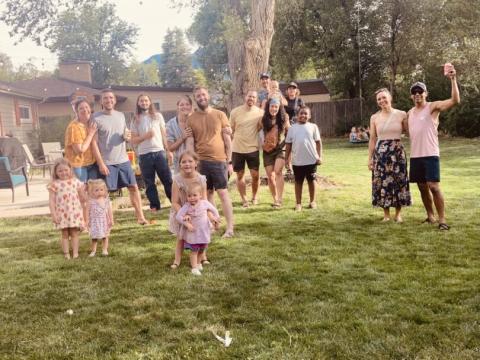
[7, 88]
[148, 88]
[309, 87]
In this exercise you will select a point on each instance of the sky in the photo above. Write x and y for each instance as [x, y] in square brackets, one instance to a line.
[153, 18]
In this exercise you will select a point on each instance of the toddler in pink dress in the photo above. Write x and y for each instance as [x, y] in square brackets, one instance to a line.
[99, 215]
[196, 229]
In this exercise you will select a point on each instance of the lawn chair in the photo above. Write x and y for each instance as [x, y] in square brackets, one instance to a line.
[8, 178]
[36, 163]
[52, 151]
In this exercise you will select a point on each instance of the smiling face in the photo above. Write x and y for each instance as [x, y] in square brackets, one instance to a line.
[265, 81]
[418, 95]
[251, 98]
[291, 92]
[193, 196]
[303, 115]
[84, 111]
[273, 109]
[184, 107]
[108, 100]
[201, 98]
[384, 100]
[63, 172]
[187, 164]
[144, 102]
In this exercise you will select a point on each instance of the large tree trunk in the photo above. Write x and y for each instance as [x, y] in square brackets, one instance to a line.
[248, 56]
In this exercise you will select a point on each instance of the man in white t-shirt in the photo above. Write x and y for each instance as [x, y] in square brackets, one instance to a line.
[149, 135]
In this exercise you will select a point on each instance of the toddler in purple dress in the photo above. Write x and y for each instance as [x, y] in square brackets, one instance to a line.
[99, 217]
[196, 229]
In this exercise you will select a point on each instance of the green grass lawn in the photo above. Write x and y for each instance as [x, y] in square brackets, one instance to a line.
[331, 283]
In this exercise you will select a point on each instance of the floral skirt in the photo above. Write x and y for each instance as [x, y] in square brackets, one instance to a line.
[390, 187]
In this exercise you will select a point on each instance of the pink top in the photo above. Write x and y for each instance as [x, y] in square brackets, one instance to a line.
[422, 127]
[199, 220]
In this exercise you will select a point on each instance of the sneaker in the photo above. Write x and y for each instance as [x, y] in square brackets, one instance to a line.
[298, 207]
[313, 205]
[200, 267]
[104, 253]
[196, 272]
[92, 254]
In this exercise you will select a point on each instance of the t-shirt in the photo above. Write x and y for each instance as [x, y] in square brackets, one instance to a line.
[110, 137]
[262, 94]
[142, 126]
[207, 134]
[303, 138]
[174, 132]
[293, 108]
[244, 122]
[76, 133]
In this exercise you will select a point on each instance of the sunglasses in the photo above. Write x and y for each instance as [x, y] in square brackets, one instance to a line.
[417, 91]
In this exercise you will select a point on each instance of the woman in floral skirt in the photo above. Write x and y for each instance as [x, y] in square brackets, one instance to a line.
[387, 158]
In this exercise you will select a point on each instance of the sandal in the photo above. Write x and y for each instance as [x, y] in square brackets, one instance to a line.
[245, 204]
[142, 222]
[228, 234]
[205, 262]
[443, 226]
[174, 266]
[428, 221]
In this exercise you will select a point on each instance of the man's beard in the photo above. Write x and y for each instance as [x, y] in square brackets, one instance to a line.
[201, 106]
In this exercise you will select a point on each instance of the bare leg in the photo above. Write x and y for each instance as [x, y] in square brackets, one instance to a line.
[178, 253]
[298, 192]
[241, 186]
[105, 246]
[427, 200]
[312, 190]
[74, 235]
[398, 215]
[272, 184]
[64, 244]
[438, 199]
[227, 210]
[279, 165]
[210, 196]
[194, 259]
[136, 201]
[93, 247]
[386, 214]
[255, 184]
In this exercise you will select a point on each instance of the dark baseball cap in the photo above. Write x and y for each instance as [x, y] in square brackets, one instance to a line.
[418, 85]
[264, 75]
[292, 84]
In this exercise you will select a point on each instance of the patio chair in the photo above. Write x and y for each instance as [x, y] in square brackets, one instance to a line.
[52, 151]
[36, 163]
[9, 179]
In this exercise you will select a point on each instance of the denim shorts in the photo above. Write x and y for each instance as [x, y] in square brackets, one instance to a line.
[121, 175]
[85, 173]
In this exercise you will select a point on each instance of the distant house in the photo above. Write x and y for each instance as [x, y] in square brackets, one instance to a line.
[75, 81]
[311, 91]
[18, 114]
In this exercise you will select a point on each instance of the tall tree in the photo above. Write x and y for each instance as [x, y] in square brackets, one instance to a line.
[176, 62]
[94, 33]
[140, 74]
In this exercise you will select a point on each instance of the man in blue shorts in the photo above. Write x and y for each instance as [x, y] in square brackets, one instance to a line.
[110, 151]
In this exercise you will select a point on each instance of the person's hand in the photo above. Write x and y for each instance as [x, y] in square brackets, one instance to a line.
[452, 73]
[127, 134]
[288, 166]
[187, 218]
[189, 227]
[370, 164]
[230, 169]
[149, 134]
[319, 161]
[103, 169]
[187, 132]
[227, 130]
[216, 223]
[92, 129]
[170, 158]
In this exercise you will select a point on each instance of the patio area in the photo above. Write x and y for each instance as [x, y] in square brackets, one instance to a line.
[35, 204]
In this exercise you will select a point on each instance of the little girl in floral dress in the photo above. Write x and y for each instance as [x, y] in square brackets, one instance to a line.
[99, 215]
[67, 203]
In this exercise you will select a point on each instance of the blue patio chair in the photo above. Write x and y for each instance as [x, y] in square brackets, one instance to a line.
[9, 179]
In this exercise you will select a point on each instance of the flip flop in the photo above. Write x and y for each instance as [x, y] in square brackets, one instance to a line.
[228, 234]
[428, 221]
[174, 266]
[245, 205]
[443, 226]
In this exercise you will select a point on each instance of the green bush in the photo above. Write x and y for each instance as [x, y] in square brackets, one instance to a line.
[464, 119]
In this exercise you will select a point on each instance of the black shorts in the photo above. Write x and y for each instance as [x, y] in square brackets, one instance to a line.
[425, 169]
[216, 173]
[239, 159]
[305, 171]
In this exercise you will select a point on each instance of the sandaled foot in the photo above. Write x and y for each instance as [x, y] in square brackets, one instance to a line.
[205, 262]
[313, 205]
[443, 226]
[92, 254]
[66, 256]
[228, 234]
[245, 204]
[298, 207]
[104, 253]
[385, 219]
[254, 201]
[174, 266]
[142, 222]
[276, 205]
[398, 219]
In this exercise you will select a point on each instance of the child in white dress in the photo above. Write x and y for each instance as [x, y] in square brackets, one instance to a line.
[193, 215]
[99, 215]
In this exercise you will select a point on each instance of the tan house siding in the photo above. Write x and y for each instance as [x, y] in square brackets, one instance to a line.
[11, 122]
[55, 109]
[315, 98]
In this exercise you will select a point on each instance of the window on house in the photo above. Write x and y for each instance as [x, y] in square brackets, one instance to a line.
[25, 114]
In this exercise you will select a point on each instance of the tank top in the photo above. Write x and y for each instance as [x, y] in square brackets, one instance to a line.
[422, 128]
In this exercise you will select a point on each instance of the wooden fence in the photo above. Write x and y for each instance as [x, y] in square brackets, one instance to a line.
[335, 117]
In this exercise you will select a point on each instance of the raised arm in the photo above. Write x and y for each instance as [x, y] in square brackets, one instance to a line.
[454, 99]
